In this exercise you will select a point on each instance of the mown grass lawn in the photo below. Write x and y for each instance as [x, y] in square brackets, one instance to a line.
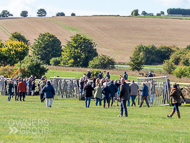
[52, 73]
[69, 121]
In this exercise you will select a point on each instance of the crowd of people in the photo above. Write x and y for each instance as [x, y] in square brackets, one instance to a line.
[101, 88]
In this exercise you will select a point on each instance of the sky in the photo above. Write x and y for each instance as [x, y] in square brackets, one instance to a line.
[90, 7]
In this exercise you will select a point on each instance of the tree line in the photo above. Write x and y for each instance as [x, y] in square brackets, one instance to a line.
[48, 50]
[40, 13]
[178, 11]
[175, 60]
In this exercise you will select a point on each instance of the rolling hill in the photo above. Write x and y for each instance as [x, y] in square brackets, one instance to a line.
[115, 36]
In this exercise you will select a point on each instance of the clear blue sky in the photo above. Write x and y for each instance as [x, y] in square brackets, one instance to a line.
[91, 7]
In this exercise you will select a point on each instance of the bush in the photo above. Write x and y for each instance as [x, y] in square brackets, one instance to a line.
[168, 66]
[182, 72]
[95, 73]
[9, 71]
[55, 61]
[33, 66]
[102, 62]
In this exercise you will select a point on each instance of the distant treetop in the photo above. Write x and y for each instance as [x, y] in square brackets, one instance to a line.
[41, 13]
[60, 14]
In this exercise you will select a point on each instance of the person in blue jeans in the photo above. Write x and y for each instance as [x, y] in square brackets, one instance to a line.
[98, 94]
[124, 96]
[88, 94]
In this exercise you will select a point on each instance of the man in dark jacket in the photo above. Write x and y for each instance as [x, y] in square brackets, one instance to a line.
[144, 94]
[100, 75]
[125, 76]
[10, 88]
[113, 89]
[107, 75]
[88, 74]
[124, 96]
[88, 94]
[150, 74]
[49, 93]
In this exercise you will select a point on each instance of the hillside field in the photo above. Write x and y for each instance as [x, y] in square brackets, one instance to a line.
[115, 36]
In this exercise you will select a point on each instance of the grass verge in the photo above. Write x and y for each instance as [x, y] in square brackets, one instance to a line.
[69, 121]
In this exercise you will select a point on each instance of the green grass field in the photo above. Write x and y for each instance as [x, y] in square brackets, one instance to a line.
[69, 121]
[52, 73]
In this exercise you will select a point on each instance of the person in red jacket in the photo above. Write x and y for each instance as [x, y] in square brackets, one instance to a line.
[21, 89]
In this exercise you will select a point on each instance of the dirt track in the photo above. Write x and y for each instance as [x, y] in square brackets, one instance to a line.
[115, 36]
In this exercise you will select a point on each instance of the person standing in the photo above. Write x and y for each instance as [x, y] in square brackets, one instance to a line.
[107, 75]
[144, 94]
[33, 87]
[100, 75]
[125, 76]
[150, 74]
[124, 96]
[88, 74]
[98, 94]
[49, 93]
[10, 88]
[94, 82]
[134, 91]
[176, 100]
[114, 90]
[43, 83]
[88, 94]
[106, 94]
[81, 87]
[21, 88]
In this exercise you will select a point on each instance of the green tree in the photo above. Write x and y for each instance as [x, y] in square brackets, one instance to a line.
[55, 61]
[60, 14]
[168, 67]
[19, 37]
[6, 13]
[24, 13]
[136, 62]
[102, 62]
[79, 51]
[144, 13]
[41, 13]
[162, 12]
[135, 12]
[164, 53]
[46, 47]
[73, 14]
[177, 56]
[33, 66]
[158, 14]
[13, 52]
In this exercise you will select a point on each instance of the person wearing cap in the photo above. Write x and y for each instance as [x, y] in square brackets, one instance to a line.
[21, 88]
[88, 74]
[125, 76]
[176, 100]
[150, 74]
[144, 95]
[49, 93]
[88, 94]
